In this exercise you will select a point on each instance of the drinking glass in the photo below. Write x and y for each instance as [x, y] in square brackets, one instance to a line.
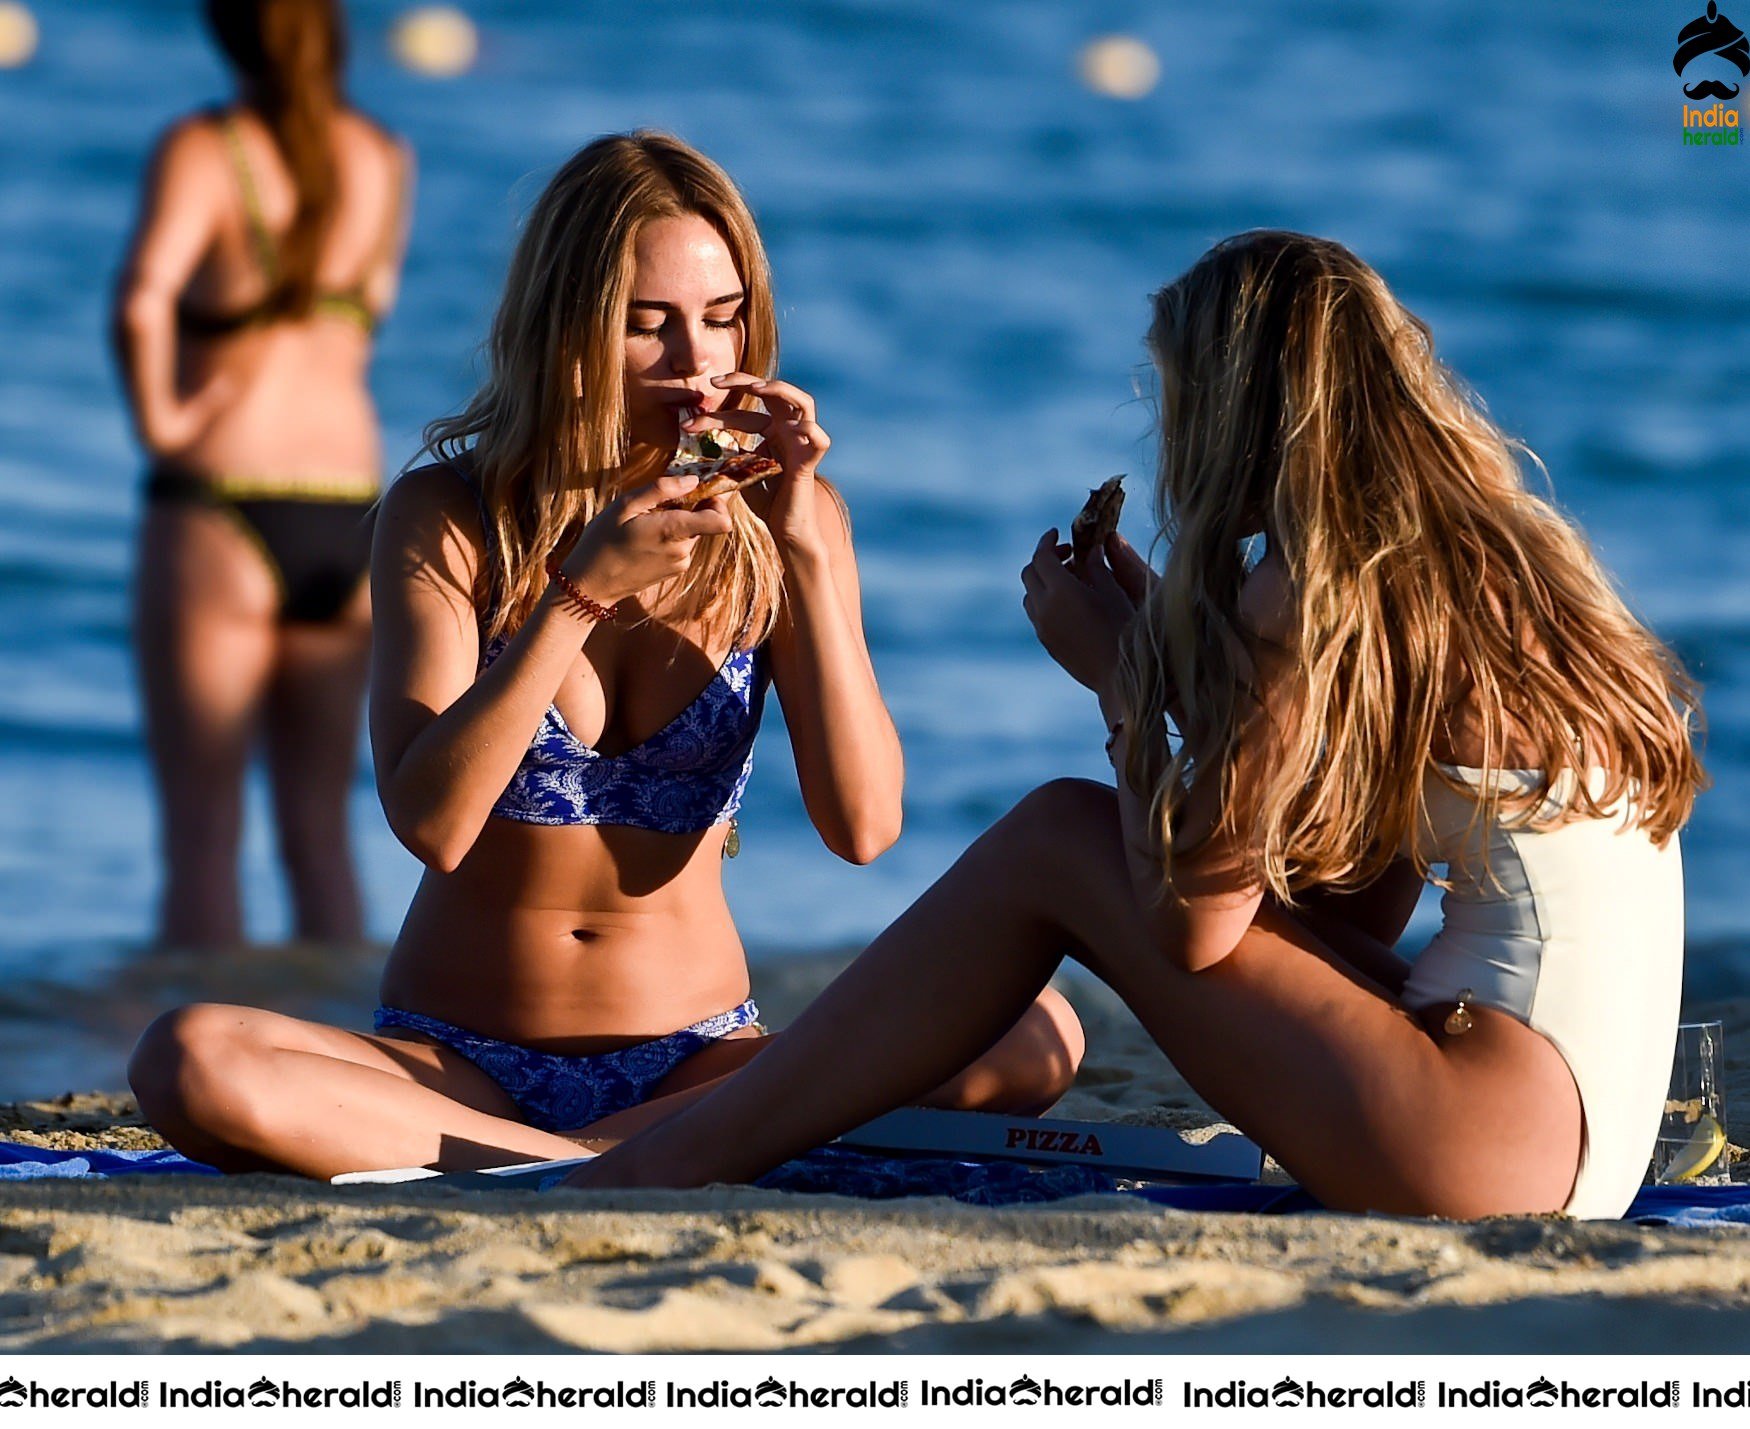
[1692, 1149]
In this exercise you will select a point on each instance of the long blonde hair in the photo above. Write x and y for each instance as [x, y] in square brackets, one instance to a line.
[1298, 397]
[546, 434]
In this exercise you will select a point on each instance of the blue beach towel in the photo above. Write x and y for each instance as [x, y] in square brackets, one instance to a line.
[837, 1171]
[36, 1163]
[1691, 1206]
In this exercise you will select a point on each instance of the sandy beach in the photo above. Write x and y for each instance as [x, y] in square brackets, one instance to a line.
[275, 1264]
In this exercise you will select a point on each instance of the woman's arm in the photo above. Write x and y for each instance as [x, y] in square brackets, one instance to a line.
[848, 758]
[1380, 911]
[1222, 897]
[1363, 927]
[383, 281]
[445, 743]
[1079, 619]
[1218, 891]
[446, 740]
[182, 204]
[1216, 895]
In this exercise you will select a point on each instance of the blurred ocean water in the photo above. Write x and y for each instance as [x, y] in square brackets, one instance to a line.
[964, 240]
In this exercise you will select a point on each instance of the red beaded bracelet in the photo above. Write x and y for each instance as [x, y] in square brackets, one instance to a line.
[579, 603]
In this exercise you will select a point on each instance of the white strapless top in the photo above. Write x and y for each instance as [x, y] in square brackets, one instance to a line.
[1577, 931]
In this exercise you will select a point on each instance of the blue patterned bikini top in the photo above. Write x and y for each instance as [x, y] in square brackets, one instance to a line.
[686, 777]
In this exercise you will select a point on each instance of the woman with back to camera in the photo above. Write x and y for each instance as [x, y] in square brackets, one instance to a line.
[266, 253]
[1426, 667]
[569, 673]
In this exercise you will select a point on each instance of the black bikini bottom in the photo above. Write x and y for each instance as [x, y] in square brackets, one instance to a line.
[316, 541]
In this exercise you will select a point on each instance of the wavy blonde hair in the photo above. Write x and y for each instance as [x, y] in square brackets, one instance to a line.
[1299, 398]
[546, 434]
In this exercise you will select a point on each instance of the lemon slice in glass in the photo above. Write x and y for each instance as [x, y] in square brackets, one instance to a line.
[1707, 1139]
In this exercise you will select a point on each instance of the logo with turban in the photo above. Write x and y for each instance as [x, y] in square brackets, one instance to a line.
[1712, 34]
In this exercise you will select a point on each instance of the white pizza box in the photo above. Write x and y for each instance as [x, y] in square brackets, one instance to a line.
[1134, 1151]
[521, 1173]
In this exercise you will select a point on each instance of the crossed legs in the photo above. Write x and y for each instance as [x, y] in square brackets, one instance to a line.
[1357, 1099]
[249, 1090]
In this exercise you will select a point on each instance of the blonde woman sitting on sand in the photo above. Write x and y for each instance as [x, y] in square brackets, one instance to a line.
[1427, 668]
[569, 672]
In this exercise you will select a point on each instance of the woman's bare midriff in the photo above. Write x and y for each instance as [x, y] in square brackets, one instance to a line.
[573, 940]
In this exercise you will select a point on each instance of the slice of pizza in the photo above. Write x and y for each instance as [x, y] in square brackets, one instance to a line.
[1097, 519]
[721, 463]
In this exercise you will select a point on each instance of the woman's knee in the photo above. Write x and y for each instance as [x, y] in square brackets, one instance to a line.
[1033, 1065]
[1060, 1041]
[1060, 854]
[1065, 805]
[1056, 824]
[191, 1067]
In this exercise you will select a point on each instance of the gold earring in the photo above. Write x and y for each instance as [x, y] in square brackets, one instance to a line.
[1459, 1020]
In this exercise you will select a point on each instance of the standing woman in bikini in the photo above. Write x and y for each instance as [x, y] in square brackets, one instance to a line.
[569, 672]
[266, 253]
[1427, 668]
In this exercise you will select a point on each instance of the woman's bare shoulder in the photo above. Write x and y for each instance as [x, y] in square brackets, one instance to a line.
[369, 135]
[431, 511]
[191, 143]
[440, 487]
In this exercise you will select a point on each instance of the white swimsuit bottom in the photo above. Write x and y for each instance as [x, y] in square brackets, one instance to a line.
[1577, 931]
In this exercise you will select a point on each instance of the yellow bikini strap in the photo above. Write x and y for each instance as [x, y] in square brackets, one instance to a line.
[266, 254]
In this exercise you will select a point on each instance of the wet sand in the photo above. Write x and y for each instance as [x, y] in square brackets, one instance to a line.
[275, 1264]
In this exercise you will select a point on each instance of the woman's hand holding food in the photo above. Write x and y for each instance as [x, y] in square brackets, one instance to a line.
[1079, 619]
[638, 541]
[792, 437]
[1134, 575]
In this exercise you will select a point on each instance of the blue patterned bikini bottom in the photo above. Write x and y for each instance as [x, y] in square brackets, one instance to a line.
[563, 1093]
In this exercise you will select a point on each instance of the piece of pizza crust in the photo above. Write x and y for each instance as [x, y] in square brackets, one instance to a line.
[1097, 519]
[720, 462]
